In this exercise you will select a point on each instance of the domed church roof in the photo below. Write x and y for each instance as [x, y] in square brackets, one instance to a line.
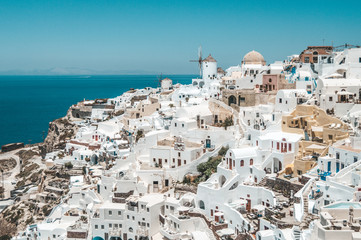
[253, 57]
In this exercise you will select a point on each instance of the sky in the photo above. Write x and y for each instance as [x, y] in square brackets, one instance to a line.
[141, 37]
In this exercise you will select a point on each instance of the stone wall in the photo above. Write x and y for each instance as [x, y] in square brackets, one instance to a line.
[81, 112]
[77, 234]
[283, 186]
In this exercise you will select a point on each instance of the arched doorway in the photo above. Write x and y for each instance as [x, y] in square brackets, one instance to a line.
[201, 84]
[201, 204]
[277, 165]
[232, 100]
[222, 180]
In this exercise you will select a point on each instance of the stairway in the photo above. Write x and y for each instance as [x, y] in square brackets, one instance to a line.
[307, 217]
[263, 183]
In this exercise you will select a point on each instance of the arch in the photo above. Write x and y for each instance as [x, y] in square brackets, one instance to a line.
[77, 115]
[242, 163]
[195, 83]
[201, 204]
[234, 186]
[94, 159]
[115, 238]
[232, 100]
[98, 238]
[222, 180]
[277, 165]
[251, 162]
[201, 83]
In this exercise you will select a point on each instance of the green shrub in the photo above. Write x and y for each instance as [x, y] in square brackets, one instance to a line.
[68, 165]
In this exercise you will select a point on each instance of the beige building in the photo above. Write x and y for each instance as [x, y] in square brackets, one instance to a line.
[246, 97]
[315, 124]
[143, 108]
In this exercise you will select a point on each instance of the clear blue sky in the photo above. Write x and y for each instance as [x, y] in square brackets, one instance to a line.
[162, 36]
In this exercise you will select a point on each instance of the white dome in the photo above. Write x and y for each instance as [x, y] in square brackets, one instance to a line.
[253, 57]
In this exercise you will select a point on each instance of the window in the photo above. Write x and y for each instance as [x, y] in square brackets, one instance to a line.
[330, 99]
[359, 60]
[183, 125]
[270, 80]
[179, 154]
[278, 146]
[337, 155]
[184, 161]
[102, 227]
[175, 124]
[119, 212]
[307, 59]
[242, 163]
[289, 147]
[355, 159]
[251, 162]
[110, 225]
[96, 226]
[280, 100]
[128, 216]
[110, 213]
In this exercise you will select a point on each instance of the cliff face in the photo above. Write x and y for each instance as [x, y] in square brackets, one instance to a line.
[59, 130]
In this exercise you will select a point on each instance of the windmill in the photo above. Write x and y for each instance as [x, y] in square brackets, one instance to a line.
[159, 80]
[199, 60]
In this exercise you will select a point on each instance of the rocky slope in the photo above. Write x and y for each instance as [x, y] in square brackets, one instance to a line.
[59, 131]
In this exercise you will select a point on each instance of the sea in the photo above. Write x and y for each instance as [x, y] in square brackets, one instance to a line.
[29, 103]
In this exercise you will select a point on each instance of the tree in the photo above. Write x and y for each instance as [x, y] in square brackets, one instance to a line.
[228, 122]
[222, 152]
[68, 165]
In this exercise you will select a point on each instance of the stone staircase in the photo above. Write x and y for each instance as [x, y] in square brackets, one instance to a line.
[263, 182]
[307, 217]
